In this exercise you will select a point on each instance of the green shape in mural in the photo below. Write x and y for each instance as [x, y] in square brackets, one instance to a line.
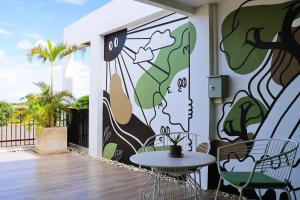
[109, 151]
[245, 111]
[172, 59]
[241, 57]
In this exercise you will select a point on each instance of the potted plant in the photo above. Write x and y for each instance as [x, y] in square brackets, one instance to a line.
[46, 106]
[45, 109]
[175, 149]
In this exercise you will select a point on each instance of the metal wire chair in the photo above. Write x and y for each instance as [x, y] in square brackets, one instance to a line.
[273, 162]
[180, 183]
[190, 142]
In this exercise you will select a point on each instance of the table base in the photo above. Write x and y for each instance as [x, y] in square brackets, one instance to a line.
[174, 184]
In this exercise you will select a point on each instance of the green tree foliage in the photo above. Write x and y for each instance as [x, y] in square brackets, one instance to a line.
[241, 28]
[172, 59]
[245, 112]
[5, 112]
[81, 103]
[44, 107]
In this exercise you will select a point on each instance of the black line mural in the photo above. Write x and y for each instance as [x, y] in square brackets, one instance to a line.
[266, 48]
[147, 78]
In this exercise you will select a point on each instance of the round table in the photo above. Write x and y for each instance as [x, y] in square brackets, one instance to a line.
[172, 178]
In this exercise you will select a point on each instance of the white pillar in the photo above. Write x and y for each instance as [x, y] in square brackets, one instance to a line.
[67, 80]
[200, 70]
[97, 77]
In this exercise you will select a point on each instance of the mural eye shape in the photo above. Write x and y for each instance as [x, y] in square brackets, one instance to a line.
[116, 42]
[113, 44]
[110, 46]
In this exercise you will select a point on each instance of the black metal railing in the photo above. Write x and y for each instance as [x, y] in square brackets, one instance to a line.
[78, 128]
[16, 133]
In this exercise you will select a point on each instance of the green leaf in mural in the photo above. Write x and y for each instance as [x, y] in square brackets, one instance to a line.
[109, 150]
[246, 111]
[172, 59]
[240, 25]
[152, 148]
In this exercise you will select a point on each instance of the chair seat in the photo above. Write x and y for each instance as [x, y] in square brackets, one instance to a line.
[259, 179]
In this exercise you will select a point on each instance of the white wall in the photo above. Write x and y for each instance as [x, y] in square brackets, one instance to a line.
[109, 18]
[102, 21]
[113, 16]
[282, 125]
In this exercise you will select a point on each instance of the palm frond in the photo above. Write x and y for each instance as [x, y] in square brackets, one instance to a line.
[40, 52]
[45, 107]
[57, 51]
[42, 85]
[72, 49]
[64, 94]
[50, 46]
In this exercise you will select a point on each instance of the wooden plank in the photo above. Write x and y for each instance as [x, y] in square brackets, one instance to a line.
[68, 176]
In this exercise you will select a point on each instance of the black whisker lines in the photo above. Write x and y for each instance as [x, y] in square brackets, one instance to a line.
[276, 67]
[138, 64]
[116, 66]
[153, 64]
[158, 25]
[151, 22]
[284, 113]
[138, 38]
[158, 67]
[130, 50]
[137, 97]
[109, 68]
[123, 77]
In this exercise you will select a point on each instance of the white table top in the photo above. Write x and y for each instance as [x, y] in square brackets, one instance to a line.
[161, 159]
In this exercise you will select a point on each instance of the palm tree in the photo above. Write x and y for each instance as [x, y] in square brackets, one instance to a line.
[44, 107]
[52, 53]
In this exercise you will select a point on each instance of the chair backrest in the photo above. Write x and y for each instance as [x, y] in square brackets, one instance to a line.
[273, 157]
[278, 158]
[190, 142]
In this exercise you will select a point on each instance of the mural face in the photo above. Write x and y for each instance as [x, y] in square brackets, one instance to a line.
[266, 48]
[147, 84]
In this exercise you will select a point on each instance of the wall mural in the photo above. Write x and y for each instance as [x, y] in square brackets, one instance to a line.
[264, 47]
[147, 77]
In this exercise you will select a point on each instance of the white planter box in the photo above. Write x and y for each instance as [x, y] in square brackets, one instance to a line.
[51, 140]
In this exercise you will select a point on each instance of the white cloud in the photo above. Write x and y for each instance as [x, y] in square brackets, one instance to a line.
[42, 42]
[160, 40]
[143, 55]
[2, 55]
[4, 59]
[5, 32]
[32, 35]
[75, 2]
[18, 75]
[24, 44]
[30, 40]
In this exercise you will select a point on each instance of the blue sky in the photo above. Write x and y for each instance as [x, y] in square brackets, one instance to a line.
[26, 23]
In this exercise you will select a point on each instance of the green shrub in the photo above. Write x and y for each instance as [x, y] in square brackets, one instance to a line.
[5, 112]
[44, 107]
[81, 103]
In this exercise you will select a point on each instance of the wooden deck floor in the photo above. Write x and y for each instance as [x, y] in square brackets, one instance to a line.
[70, 176]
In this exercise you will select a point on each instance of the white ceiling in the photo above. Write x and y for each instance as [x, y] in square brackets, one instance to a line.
[196, 3]
[185, 7]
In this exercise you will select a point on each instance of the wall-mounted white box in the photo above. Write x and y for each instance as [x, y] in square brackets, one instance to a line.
[218, 86]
